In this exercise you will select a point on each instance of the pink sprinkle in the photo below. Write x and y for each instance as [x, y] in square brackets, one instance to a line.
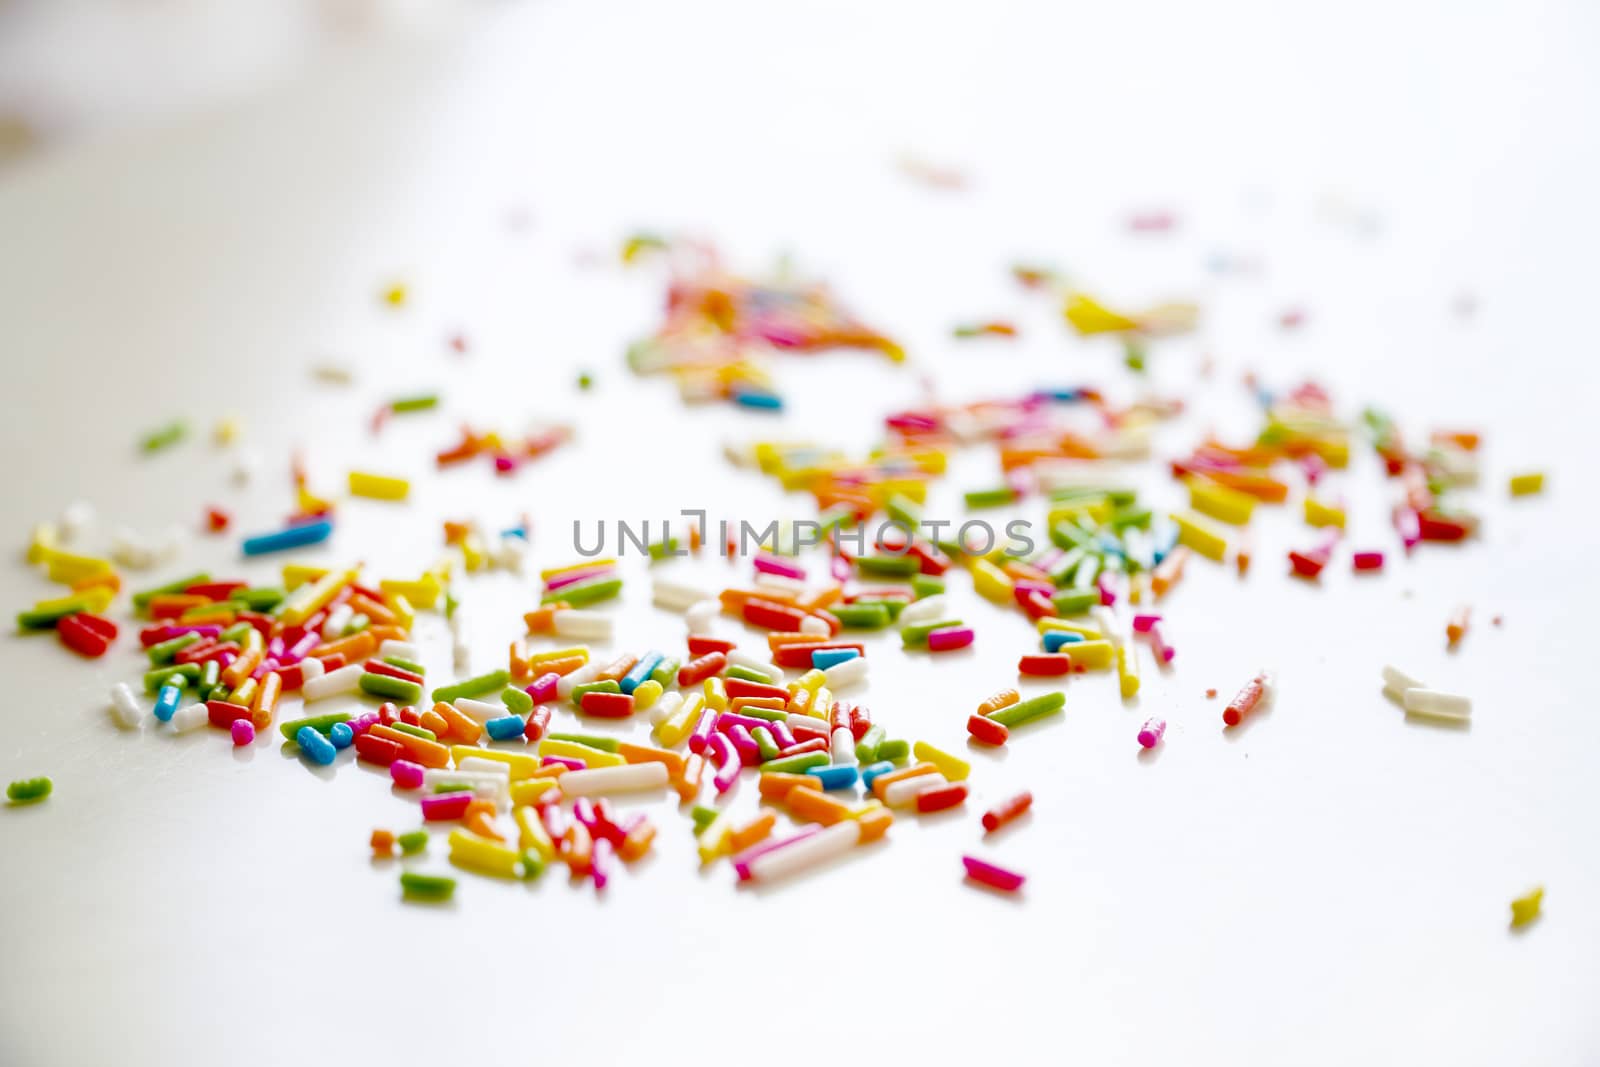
[840, 568]
[600, 863]
[990, 875]
[584, 811]
[406, 775]
[543, 689]
[702, 731]
[1108, 595]
[749, 751]
[780, 733]
[721, 750]
[1143, 623]
[504, 464]
[569, 764]
[767, 563]
[951, 638]
[244, 732]
[1368, 561]
[727, 720]
[1032, 586]
[1152, 730]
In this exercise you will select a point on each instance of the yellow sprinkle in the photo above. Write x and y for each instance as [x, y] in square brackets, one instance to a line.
[42, 545]
[991, 582]
[1220, 502]
[310, 599]
[552, 572]
[1527, 908]
[297, 574]
[950, 766]
[309, 503]
[1092, 655]
[423, 593]
[378, 486]
[716, 694]
[1527, 483]
[593, 757]
[402, 610]
[821, 701]
[1320, 514]
[1089, 633]
[811, 680]
[1127, 669]
[540, 658]
[1198, 533]
[68, 568]
[676, 727]
[531, 831]
[226, 431]
[713, 841]
[646, 694]
[482, 854]
[395, 295]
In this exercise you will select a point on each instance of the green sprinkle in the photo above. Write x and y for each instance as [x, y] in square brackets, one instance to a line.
[164, 437]
[405, 664]
[154, 680]
[769, 714]
[608, 685]
[894, 750]
[357, 623]
[599, 741]
[264, 598]
[897, 566]
[989, 498]
[1075, 601]
[414, 403]
[427, 886]
[516, 700]
[412, 842]
[235, 632]
[46, 619]
[664, 549]
[666, 672]
[416, 731]
[905, 511]
[210, 680]
[1070, 535]
[141, 600]
[396, 689]
[863, 615]
[1127, 517]
[532, 864]
[795, 764]
[472, 687]
[320, 723]
[1037, 707]
[748, 674]
[588, 591]
[702, 816]
[28, 790]
[926, 585]
[164, 651]
[765, 742]
[585, 380]
[867, 747]
[912, 636]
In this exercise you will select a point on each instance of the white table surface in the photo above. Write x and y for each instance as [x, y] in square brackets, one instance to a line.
[1327, 885]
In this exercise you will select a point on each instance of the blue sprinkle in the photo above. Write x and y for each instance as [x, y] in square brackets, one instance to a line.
[1054, 639]
[765, 401]
[298, 536]
[342, 735]
[641, 671]
[506, 727]
[824, 658]
[836, 777]
[872, 770]
[316, 747]
[167, 702]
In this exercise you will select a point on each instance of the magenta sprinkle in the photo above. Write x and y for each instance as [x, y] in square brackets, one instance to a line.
[727, 720]
[840, 568]
[244, 732]
[770, 564]
[600, 863]
[990, 875]
[583, 810]
[950, 638]
[1367, 561]
[543, 688]
[406, 775]
[721, 750]
[569, 764]
[1143, 623]
[1152, 730]
[749, 751]
[1108, 595]
[702, 731]
[781, 734]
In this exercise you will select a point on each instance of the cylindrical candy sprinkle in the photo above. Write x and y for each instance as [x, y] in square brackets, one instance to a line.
[1367, 561]
[1247, 699]
[406, 774]
[904, 791]
[1004, 698]
[991, 875]
[843, 675]
[986, 730]
[505, 728]
[1028, 710]
[1045, 665]
[442, 807]
[604, 781]
[1432, 703]
[27, 790]
[125, 706]
[244, 732]
[167, 702]
[1152, 730]
[316, 747]
[798, 853]
[843, 747]
[430, 887]
[950, 639]
[1007, 811]
[939, 797]
[191, 717]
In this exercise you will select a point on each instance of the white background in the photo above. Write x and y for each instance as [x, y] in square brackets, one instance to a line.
[1328, 884]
